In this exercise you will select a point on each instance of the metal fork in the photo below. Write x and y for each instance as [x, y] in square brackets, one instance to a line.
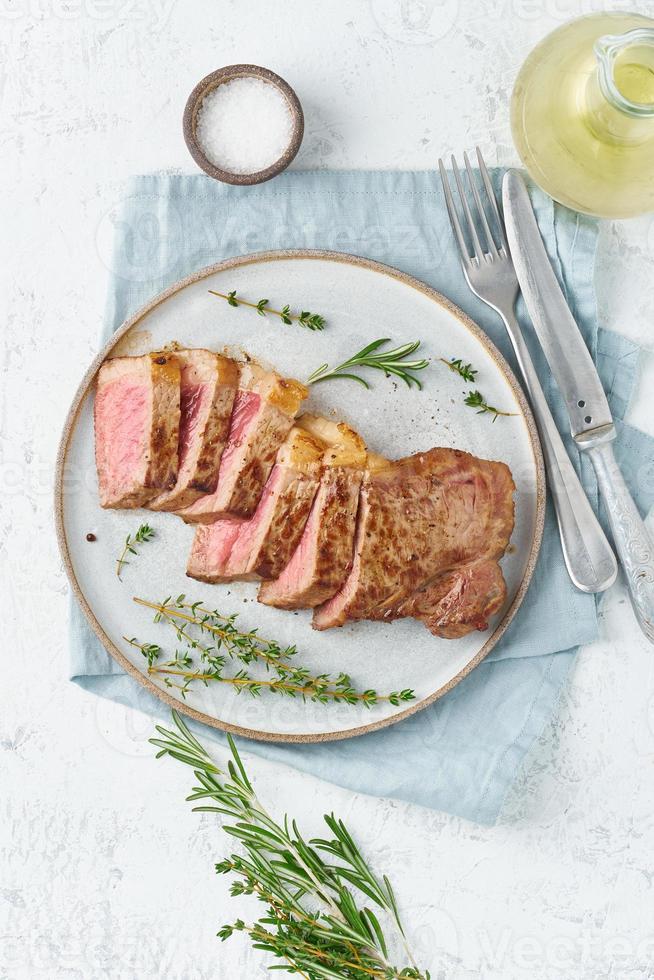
[489, 271]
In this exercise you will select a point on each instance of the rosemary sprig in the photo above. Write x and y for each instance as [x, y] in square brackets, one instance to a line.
[144, 533]
[313, 892]
[466, 371]
[391, 362]
[475, 399]
[227, 642]
[312, 321]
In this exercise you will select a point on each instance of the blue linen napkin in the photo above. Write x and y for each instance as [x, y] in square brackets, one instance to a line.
[462, 753]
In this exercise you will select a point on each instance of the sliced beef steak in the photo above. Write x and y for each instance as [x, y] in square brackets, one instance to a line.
[323, 557]
[266, 542]
[208, 387]
[262, 546]
[136, 414]
[263, 413]
[430, 529]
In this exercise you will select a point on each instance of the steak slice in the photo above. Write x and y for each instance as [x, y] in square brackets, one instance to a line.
[212, 546]
[208, 387]
[264, 408]
[136, 418]
[262, 546]
[323, 558]
[427, 526]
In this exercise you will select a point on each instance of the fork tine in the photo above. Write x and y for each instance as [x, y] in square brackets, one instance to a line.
[454, 218]
[492, 248]
[491, 199]
[476, 244]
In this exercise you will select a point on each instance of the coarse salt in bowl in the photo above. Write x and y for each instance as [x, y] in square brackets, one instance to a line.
[243, 124]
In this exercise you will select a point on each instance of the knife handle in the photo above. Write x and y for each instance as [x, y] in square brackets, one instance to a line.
[630, 536]
[587, 554]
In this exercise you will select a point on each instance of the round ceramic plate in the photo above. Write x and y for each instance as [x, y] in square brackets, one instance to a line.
[360, 301]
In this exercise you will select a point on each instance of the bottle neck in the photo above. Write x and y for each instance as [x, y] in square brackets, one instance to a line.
[620, 92]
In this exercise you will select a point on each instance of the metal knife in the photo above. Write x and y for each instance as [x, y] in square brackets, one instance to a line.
[591, 422]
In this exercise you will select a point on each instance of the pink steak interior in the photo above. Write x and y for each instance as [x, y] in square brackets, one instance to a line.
[253, 531]
[300, 568]
[192, 402]
[122, 411]
[212, 546]
[246, 405]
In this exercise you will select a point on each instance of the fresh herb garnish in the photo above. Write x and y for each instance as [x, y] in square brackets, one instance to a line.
[391, 362]
[312, 321]
[475, 399]
[313, 892]
[151, 651]
[466, 371]
[144, 533]
[192, 622]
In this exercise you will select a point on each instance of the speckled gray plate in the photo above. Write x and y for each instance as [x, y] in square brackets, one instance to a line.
[360, 301]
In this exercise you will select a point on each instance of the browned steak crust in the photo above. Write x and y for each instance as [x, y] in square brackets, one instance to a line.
[286, 527]
[458, 601]
[264, 408]
[323, 558]
[208, 387]
[419, 518]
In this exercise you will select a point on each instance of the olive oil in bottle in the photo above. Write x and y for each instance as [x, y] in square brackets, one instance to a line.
[582, 114]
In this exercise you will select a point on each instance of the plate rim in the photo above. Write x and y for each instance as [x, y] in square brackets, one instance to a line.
[270, 256]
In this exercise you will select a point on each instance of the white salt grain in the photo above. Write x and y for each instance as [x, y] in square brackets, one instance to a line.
[244, 125]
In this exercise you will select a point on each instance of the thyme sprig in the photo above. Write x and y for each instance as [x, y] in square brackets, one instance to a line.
[391, 362]
[313, 892]
[144, 533]
[466, 371]
[312, 321]
[192, 623]
[475, 399]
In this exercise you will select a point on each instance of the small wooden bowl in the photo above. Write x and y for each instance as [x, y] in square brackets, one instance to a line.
[227, 74]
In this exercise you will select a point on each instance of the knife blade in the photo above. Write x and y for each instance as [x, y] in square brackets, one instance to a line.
[556, 329]
[591, 422]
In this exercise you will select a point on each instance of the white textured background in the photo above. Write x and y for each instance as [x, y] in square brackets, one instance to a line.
[104, 872]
